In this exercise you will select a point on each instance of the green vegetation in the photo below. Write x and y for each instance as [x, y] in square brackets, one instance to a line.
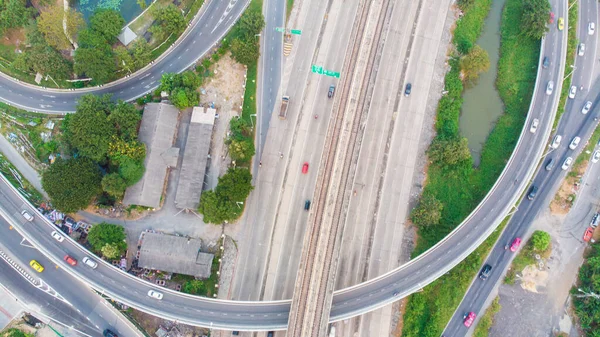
[477, 61]
[72, 184]
[205, 287]
[288, 9]
[181, 88]
[169, 21]
[569, 59]
[245, 46]
[14, 14]
[454, 183]
[587, 308]
[538, 244]
[534, 22]
[50, 24]
[10, 172]
[487, 320]
[14, 332]
[225, 202]
[100, 134]
[583, 158]
[108, 239]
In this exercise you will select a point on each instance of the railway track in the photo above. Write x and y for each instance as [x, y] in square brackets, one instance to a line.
[312, 296]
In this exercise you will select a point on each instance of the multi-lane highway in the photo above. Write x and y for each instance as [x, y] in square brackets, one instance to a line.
[55, 293]
[207, 29]
[573, 124]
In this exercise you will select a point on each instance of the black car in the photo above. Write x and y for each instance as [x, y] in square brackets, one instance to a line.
[532, 192]
[407, 89]
[271, 334]
[236, 333]
[546, 62]
[485, 272]
[307, 205]
[108, 333]
[331, 91]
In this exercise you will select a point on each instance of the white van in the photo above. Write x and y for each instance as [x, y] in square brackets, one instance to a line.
[89, 262]
[27, 216]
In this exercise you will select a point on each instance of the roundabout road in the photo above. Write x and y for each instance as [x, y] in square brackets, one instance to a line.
[207, 29]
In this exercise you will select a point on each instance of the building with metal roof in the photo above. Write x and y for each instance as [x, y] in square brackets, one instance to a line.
[157, 132]
[174, 254]
[195, 158]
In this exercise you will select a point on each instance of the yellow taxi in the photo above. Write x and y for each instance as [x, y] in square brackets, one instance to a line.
[561, 23]
[36, 265]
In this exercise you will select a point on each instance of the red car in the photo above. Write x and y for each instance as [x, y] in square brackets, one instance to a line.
[70, 260]
[515, 245]
[305, 168]
[551, 19]
[469, 318]
[587, 236]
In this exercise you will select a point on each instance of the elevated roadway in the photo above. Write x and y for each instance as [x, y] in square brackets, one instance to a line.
[207, 28]
[346, 303]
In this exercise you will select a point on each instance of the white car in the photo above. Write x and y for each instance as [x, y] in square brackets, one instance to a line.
[596, 156]
[89, 262]
[572, 92]
[574, 143]
[550, 88]
[567, 163]
[581, 49]
[155, 294]
[591, 28]
[57, 236]
[556, 141]
[534, 125]
[27, 216]
[586, 108]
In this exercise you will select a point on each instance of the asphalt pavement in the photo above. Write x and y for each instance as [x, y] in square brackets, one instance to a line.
[207, 29]
[56, 294]
[573, 124]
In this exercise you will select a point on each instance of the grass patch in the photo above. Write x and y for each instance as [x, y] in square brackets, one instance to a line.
[289, 4]
[569, 59]
[582, 160]
[10, 172]
[461, 188]
[486, 321]
[207, 287]
[7, 53]
[193, 9]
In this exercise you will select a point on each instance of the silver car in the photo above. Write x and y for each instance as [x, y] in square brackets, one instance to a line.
[567, 163]
[596, 156]
[572, 92]
[586, 108]
[556, 141]
[534, 125]
[155, 294]
[574, 143]
[550, 88]
[581, 49]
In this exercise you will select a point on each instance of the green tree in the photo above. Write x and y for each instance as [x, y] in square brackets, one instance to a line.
[540, 240]
[245, 52]
[251, 23]
[114, 185]
[235, 185]
[50, 24]
[475, 62]
[96, 62]
[111, 251]
[184, 98]
[449, 152]
[124, 60]
[216, 210]
[120, 150]
[88, 130]
[43, 59]
[72, 184]
[131, 170]
[428, 212]
[169, 18]
[126, 119]
[142, 4]
[108, 23]
[535, 18]
[104, 233]
[14, 332]
[141, 52]
[13, 14]
[158, 32]
[241, 150]
[194, 287]
[587, 308]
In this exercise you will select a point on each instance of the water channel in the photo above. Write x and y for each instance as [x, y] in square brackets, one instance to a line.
[481, 103]
[129, 8]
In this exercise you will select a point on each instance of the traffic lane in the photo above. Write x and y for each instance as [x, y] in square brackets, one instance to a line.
[43, 303]
[183, 307]
[588, 13]
[213, 24]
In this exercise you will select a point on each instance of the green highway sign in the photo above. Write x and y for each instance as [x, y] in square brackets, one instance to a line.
[317, 69]
[332, 73]
[280, 29]
[296, 31]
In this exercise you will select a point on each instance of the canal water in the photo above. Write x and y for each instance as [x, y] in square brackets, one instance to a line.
[481, 103]
[129, 8]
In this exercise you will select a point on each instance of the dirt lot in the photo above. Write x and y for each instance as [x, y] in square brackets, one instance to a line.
[565, 197]
[152, 323]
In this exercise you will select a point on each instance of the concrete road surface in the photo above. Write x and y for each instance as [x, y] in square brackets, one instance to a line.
[573, 123]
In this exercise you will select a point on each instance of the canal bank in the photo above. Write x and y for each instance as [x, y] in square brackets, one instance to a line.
[482, 105]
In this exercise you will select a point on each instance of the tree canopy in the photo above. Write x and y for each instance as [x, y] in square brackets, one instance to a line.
[587, 307]
[50, 24]
[534, 19]
[449, 152]
[38, 57]
[181, 88]
[104, 233]
[108, 23]
[114, 185]
[95, 57]
[477, 61]
[169, 19]
[72, 184]
[245, 47]
[222, 204]
[89, 130]
[13, 14]
[428, 212]
[540, 240]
